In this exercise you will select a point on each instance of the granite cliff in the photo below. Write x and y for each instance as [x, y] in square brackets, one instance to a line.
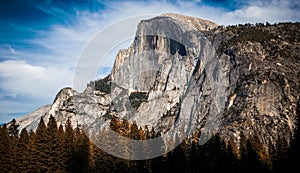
[203, 78]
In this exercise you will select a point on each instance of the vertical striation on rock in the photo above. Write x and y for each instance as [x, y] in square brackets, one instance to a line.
[188, 72]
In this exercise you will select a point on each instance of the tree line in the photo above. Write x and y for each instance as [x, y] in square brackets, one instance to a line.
[53, 148]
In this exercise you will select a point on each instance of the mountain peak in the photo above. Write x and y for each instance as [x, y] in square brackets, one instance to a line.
[200, 24]
[187, 73]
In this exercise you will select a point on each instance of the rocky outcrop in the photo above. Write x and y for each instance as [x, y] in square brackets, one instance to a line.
[193, 22]
[195, 76]
[82, 109]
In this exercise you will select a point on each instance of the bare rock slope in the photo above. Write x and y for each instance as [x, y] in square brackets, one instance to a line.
[191, 73]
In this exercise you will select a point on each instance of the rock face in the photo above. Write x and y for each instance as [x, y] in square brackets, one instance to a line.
[264, 82]
[196, 76]
[195, 23]
[164, 64]
[82, 108]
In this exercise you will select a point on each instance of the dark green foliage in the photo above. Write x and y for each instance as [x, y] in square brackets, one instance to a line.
[53, 149]
[68, 145]
[5, 157]
[62, 152]
[134, 132]
[103, 85]
[21, 156]
[80, 157]
[137, 98]
[114, 124]
[53, 146]
[38, 150]
[250, 161]
[232, 35]
[290, 162]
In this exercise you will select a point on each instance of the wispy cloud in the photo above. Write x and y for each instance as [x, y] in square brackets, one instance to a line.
[11, 50]
[261, 11]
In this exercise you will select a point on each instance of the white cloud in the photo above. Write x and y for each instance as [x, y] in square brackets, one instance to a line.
[261, 11]
[21, 78]
[25, 87]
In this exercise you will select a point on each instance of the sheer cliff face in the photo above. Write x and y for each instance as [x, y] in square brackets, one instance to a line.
[200, 77]
[165, 60]
[264, 82]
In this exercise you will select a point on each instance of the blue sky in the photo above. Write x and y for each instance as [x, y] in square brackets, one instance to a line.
[41, 41]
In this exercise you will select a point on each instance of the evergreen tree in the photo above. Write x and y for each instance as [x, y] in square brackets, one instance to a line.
[39, 155]
[81, 152]
[145, 165]
[5, 163]
[195, 164]
[291, 161]
[69, 145]
[14, 135]
[31, 151]
[293, 156]
[97, 159]
[114, 124]
[177, 158]
[31, 137]
[134, 132]
[13, 129]
[250, 161]
[147, 132]
[152, 133]
[53, 147]
[22, 155]
[159, 163]
[124, 130]
[142, 134]
[61, 159]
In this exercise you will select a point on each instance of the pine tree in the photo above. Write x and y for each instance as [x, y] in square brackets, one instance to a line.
[147, 132]
[158, 164]
[152, 133]
[31, 151]
[216, 154]
[124, 130]
[250, 161]
[81, 152]
[97, 159]
[290, 161]
[39, 156]
[294, 152]
[142, 134]
[61, 159]
[53, 147]
[178, 157]
[114, 124]
[22, 152]
[4, 150]
[194, 161]
[31, 136]
[13, 137]
[134, 132]
[144, 166]
[69, 145]
[13, 129]
[227, 158]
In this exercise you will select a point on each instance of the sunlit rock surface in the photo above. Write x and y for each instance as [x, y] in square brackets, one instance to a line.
[197, 76]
